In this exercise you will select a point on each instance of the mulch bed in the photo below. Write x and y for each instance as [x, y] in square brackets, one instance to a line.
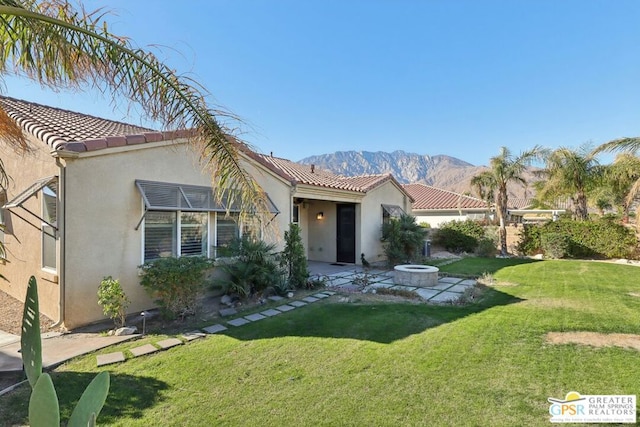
[11, 318]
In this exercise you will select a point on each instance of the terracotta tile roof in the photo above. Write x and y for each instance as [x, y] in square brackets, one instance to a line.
[519, 202]
[67, 130]
[427, 197]
[297, 173]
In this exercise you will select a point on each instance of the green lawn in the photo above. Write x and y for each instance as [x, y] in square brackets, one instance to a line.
[346, 364]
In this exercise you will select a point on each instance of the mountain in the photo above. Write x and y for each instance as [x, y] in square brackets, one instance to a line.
[441, 171]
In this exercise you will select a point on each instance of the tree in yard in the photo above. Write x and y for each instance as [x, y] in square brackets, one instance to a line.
[624, 173]
[572, 174]
[60, 46]
[492, 184]
[403, 238]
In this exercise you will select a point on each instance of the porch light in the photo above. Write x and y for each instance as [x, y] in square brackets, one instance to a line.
[320, 215]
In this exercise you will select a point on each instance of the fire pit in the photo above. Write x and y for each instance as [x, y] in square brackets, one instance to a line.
[421, 276]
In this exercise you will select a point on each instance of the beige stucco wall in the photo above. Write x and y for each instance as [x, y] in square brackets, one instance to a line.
[104, 206]
[371, 217]
[322, 232]
[436, 219]
[22, 241]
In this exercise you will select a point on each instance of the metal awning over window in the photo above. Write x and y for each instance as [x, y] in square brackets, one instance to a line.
[162, 196]
[51, 184]
[394, 211]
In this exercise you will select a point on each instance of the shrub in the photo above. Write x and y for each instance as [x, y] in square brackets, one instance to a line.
[256, 268]
[554, 245]
[403, 239]
[293, 258]
[175, 283]
[113, 300]
[602, 237]
[486, 248]
[459, 236]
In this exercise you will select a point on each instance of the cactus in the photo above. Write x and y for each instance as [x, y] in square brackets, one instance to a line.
[43, 403]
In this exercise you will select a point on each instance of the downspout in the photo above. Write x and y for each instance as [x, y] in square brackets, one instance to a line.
[62, 231]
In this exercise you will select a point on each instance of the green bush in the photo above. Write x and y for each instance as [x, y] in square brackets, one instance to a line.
[555, 245]
[175, 283]
[600, 238]
[255, 269]
[293, 258]
[113, 300]
[486, 248]
[459, 236]
[403, 239]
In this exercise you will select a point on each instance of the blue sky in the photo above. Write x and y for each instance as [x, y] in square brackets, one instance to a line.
[453, 77]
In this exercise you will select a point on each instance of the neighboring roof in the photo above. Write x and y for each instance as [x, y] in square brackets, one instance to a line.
[297, 173]
[519, 202]
[431, 198]
[67, 130]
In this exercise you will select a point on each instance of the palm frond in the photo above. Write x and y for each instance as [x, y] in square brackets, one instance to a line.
[59, 46]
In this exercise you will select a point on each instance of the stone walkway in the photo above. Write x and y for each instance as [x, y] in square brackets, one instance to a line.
[447, 290]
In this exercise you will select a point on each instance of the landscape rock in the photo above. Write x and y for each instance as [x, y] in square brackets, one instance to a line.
[127, 330]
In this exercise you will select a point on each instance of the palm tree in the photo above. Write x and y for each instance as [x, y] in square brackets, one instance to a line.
[627, 169]
[60, 46]
[492, 183]
[621, 177]
[573, 174]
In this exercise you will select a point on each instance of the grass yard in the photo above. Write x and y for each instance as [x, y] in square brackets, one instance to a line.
[351, 364]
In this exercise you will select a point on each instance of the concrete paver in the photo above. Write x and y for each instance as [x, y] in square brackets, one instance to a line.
[108, 359]
[238, 322]
[284, 308]
[271, 312]
[255, 317]
[309, 299]
[427, 293]
[297, 303]
[449, 279]
[445, 297]
[193, 335]
[144, 349]
[214, 329]
[320, 296]
[169, 342]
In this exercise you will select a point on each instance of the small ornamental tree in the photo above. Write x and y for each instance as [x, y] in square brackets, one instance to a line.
[113, 300]
[293, 258]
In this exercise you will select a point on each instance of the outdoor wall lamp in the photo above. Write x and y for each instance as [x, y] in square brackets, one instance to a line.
[320, 215]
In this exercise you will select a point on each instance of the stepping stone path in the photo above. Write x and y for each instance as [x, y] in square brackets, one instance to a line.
[448, 289]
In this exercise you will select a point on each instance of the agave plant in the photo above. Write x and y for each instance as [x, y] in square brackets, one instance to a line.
[43, 403]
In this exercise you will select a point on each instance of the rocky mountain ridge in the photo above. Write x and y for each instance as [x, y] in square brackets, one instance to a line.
[441, 171]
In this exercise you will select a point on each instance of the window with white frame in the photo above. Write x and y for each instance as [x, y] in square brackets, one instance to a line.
[187, 220]
[50, 217]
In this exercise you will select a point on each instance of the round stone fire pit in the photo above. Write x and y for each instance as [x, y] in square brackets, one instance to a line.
[421, 276]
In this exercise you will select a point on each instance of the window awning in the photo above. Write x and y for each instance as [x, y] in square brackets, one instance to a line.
[163, 196]
[182, 197]
[394, 211]
[50, 182]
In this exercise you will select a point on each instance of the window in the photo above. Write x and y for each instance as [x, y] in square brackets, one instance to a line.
[391, 211]
[296, 214]
[50, 217]
[193, 233]
[177, 219]
[227, 229]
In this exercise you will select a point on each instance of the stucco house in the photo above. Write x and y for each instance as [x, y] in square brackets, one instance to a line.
[95, 197]
[436, 206]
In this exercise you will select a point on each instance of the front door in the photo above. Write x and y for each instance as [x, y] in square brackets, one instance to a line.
[346, 234]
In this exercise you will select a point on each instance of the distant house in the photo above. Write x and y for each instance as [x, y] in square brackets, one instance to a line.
[95, 197]
[436, 206]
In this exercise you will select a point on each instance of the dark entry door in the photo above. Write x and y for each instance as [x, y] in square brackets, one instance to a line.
[346, 234]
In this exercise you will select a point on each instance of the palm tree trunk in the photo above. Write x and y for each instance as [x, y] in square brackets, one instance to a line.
[501, 205]
[581, 207]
